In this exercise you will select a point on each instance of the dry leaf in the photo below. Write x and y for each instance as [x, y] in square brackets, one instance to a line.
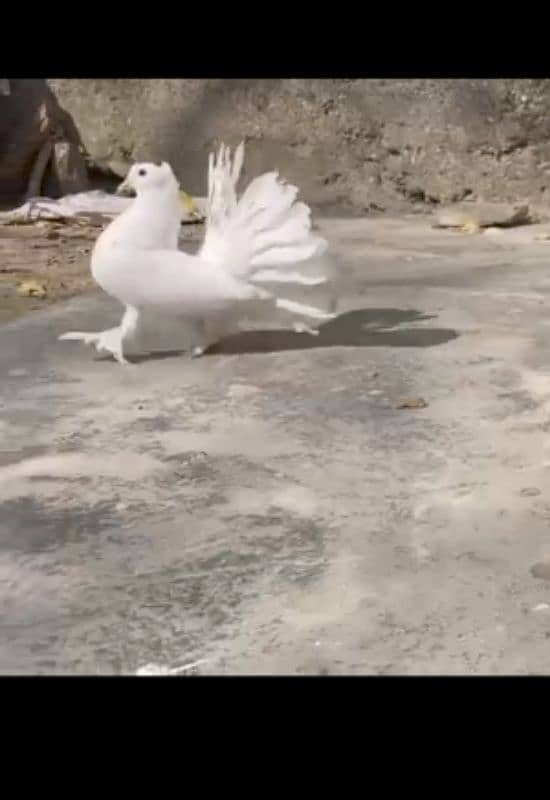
[189, 205]
[411, 402]
[32, 289]
[469, 227]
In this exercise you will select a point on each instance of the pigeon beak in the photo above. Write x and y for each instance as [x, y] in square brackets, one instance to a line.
[125, 190]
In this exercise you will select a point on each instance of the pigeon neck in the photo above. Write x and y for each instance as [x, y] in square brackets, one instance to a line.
[158, 193]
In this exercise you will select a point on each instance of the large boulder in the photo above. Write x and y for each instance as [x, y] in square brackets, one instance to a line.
[40, 149]
[368, 144]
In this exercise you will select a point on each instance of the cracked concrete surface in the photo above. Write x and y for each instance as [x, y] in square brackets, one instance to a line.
[268, 508]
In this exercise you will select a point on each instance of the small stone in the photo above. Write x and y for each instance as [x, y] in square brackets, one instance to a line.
[530, 491]
[541, 570]
[472, 216]
[541, 607]
[17, 373]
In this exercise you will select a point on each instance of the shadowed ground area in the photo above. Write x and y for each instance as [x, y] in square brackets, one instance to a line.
[287, 504]
[382, 327]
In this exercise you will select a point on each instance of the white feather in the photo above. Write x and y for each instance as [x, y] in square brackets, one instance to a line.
[264, 228]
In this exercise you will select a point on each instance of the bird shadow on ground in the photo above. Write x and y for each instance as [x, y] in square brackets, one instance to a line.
[368, 327]
[155, 355]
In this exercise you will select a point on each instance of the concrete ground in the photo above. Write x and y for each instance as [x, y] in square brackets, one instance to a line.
[269, 508]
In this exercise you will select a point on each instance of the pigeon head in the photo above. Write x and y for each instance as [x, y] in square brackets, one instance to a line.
[148, 177]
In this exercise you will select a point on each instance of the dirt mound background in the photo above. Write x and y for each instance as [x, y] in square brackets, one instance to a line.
[365, 144]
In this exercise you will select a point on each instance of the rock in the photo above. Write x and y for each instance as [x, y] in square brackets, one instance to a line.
[541, 570]
[530, 491]
[119, 168]
[34, 128]
[473, 216]
[68, 170]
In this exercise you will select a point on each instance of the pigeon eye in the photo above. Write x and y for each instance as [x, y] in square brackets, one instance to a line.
[142, 173]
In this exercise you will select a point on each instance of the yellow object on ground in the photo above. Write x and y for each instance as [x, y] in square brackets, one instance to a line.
[188, 204]
[31, 289]
[470, 227]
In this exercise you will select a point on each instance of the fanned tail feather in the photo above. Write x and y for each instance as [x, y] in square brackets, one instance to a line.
[222, 182]
[264, 232]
